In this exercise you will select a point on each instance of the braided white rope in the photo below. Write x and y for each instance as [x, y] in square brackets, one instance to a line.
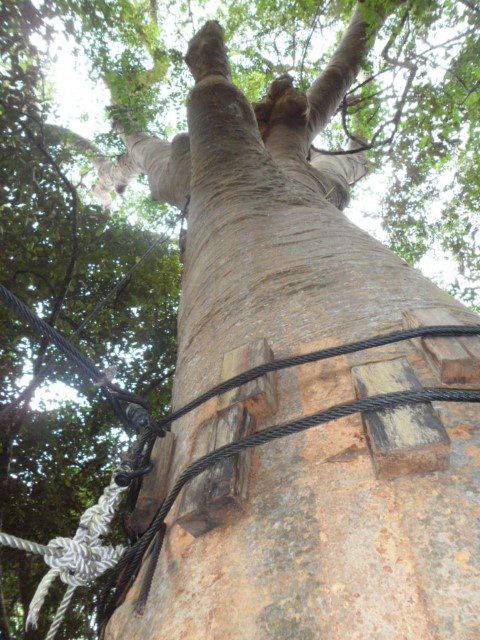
[76, 561]
[60, 613]
[8, 540]
[83, 557]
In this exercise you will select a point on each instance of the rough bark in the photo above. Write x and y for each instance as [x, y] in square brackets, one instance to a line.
[167, 165]
[325, 550]
[283, 124]
[113, 174]
[338, 173]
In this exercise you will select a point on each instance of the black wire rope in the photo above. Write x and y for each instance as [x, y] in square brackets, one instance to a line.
[315, 356]
[41, 375]
[89, 370]
[129, 564]
[132, 468]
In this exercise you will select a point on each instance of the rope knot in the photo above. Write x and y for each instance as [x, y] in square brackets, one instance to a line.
[79, 562]
[81, 559]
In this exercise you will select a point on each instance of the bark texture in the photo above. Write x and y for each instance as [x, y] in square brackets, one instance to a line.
[324, 550]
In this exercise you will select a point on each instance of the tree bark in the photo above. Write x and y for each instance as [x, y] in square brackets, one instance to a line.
[167, 165]
[324, 549]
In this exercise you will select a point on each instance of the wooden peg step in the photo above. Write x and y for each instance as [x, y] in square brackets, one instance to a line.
[456, 359]
[258, 396]
[154, 485]
[215, 496]
[404, 440]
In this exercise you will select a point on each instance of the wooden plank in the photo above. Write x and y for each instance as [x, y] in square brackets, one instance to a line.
[154, 485]
[193, 513]
[258, 396]
[456, 360]
[404, 440]
[217, 495]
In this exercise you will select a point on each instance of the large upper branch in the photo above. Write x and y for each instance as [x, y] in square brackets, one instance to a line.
[113, 174]
[339, 173]
[328, 90]
[166, 164]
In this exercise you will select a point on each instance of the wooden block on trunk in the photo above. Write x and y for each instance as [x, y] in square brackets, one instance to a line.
[258, 396]
[154, 485]
[404, 440]
[215, 496]
[455, 359]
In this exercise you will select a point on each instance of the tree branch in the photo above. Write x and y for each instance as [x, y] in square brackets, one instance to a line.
[40, 145]
[61, 135]
[327, 91]
[470, 5]
[154, 11]
[308, 40]
[395, 121]
[166, 164]
[114, 174]
[25, 397]
[339, 173]
[393, 36]
[367, 81]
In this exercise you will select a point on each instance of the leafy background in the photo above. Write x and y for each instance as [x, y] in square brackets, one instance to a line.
[61, 252]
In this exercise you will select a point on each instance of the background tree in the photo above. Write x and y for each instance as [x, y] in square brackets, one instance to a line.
[62, 256]
[44, 165]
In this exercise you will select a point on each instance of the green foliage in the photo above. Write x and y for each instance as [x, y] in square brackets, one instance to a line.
[436, 151]
[58, 456]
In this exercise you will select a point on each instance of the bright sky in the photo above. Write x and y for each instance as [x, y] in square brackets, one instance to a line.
[80, 106]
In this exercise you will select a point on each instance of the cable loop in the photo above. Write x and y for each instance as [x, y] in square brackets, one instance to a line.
[130, 562]
[82, 558]
[124, 477]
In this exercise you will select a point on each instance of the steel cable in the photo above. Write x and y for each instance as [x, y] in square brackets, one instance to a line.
[128, 565]
[315, 356]
[89, 370]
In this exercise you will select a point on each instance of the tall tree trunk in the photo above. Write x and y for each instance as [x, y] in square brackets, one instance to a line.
[324, 549]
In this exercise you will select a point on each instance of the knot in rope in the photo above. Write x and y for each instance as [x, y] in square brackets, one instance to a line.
[81, 562]
[81, 559]
[97, 519]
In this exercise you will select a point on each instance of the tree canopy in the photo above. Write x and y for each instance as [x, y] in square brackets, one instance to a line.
[415, 106]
